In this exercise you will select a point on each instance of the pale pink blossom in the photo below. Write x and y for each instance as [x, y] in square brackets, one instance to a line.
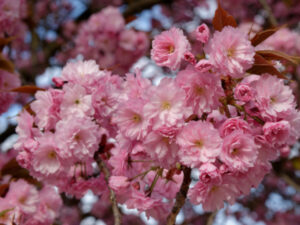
[46, 159]
[273, 98]
[161, 148]
[76, 102]
[169, 47]
[130, 119]
[212, 194]
[47, 108]
[239, 151]
[77, 138]
[230, 51]
[166, 105]
[203, 90]
[23, 195]
[199, 143]
[119, 183]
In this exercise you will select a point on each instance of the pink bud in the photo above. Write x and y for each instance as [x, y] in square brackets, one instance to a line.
[204, 65]
[202, 33]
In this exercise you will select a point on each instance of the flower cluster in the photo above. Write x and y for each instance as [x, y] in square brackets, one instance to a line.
[24, 204]
[214, 118]
[104, 37]
[8, 81]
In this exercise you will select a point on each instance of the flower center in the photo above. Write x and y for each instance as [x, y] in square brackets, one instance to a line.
[199, 143]
[77, 137]
[199, 90]
[230, 52]
[273, 100]
[77, 102]
[136, 118]
[171, 49]
[52, 155]
[166, 105]
[234, 151]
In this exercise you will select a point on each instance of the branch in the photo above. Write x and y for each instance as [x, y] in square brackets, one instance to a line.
[138, 6]
[181, 196]
[115, 208]
[290, 181]
[8, 132]
[271, 16]
[211, 218]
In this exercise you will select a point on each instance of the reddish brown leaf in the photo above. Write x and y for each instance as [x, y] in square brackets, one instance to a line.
[3, 189]
[261, 66]
[130, 18]
[276, 55]
[265, 68]
[29, 89]
[263, 35]
[222, 18]
[6, 65]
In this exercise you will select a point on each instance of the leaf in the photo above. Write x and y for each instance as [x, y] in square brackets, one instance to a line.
[2, 213]
[6, 65]
[222, 18]
[296, 163]
[263, 35]
[261, 66]
[276, 55]
[29, 89]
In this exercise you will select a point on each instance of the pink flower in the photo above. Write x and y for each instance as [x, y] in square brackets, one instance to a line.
[23, 195]
[204, 65]
[131, 120]
[199, 143]
[202, 33]
[233, 124]
[273, 98]
[230, 51]
[161, 148]
[77, 138]
[209, 173]
[169, 47]
[76, 102]
[47, 108]
[243, 93]
[119, 183]
[189, 57]
[81, 72]
[46, 159]
[166, 107]
[239, 151]
[277, 133]
[203, 90]
[212, 195]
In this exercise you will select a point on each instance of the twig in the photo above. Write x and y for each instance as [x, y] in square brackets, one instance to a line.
[271, 16]
[211, 218]
[138, 6]
[290, 182]
[181, 196]
[112, 195]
